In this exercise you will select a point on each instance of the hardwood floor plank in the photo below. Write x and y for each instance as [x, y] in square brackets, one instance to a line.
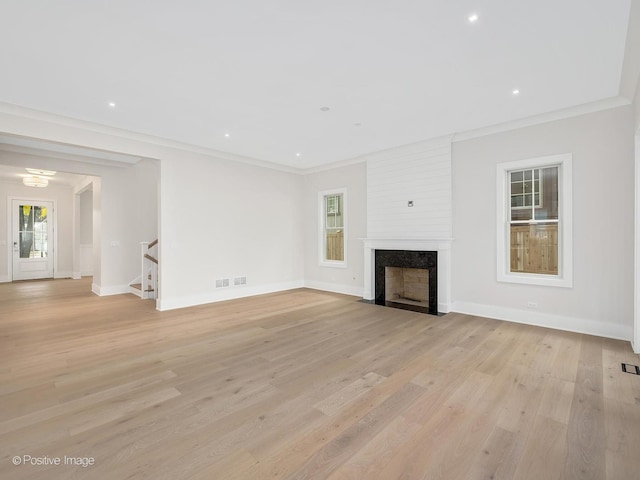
[494, 461]
[336, 402]
[544, 451]
[585, 457]
[303, 384]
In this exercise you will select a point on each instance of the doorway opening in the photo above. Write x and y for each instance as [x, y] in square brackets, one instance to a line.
[32, 239]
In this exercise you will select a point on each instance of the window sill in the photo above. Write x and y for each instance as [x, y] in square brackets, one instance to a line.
[536, 279]
[327, 263]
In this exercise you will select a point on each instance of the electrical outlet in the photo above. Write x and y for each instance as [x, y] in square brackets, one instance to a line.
[218, 283]
[243, 280]
[237, 281]
[532, 305]
[225, 282]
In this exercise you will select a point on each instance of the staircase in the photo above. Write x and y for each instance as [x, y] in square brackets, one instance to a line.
[146, 286]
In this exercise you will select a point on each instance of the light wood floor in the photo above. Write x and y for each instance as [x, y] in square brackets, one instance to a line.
[303, 384]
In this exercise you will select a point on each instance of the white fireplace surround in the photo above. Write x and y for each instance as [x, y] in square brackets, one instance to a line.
[443, 247]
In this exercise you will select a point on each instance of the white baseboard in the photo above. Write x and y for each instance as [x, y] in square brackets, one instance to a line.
[227, 293]
[112, 290]
[86, 273]
[558, 322]
[4, 279]
[444, 307]
[63, 275]
[335, 288]
[77, 275]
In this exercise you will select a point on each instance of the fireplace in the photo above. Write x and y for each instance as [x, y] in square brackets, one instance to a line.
[441, 247]
[407, 279]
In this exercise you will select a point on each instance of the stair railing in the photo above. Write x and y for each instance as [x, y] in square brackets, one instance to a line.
[149, 279]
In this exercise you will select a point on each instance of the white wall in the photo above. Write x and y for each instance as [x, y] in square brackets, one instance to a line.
[601, 300]
[85, 229]
[218, 218]
[223, 219]
[63, 219]
[347, 280]
[86, 217]
[420, 173]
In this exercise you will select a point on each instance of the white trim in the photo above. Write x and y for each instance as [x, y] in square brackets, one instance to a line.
[635, 341]
[547, 320]
[597, 106]
[54, 119]
[54, 237]
[78, 275]
[63, 275]
[565, 233]
[4, 279]
[353, 290]
[345, 227]
[107, 291]
[398, 151]
[32, 114]
[223, 294]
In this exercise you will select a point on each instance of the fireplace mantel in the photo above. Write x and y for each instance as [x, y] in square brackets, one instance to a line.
[442, 246]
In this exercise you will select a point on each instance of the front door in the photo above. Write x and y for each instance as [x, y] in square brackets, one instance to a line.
[32, 232]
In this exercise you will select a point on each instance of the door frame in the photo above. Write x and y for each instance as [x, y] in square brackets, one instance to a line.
[54, 236]
[635, 339]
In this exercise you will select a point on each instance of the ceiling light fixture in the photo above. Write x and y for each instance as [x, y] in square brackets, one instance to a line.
[226, 135]
[36, 171]
[35, 182]
[112, 104]
[298, 154]
[515, 92]
[473, 18]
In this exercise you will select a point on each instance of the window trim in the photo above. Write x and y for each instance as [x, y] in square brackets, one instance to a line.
[565, 215]
[321, 227]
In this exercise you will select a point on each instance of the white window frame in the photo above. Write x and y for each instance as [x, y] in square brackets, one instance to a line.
[322, 247]
[564, 278]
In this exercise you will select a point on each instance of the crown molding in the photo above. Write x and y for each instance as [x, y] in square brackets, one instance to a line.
[395, 152]
[600, 105]
[29, 113]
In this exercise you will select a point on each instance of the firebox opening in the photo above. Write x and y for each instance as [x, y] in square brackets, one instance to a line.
[408, 286]
[414, 280]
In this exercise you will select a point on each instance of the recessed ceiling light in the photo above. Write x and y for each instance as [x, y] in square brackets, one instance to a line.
[112, 104]
[227, 135]
[473, 18]
[36, 171]
[325, 109]
[515, 92]
[298, 154]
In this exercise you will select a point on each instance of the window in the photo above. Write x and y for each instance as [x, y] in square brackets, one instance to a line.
[332, 228]
[534, 221]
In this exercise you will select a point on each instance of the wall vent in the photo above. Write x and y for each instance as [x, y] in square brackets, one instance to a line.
[632, 369]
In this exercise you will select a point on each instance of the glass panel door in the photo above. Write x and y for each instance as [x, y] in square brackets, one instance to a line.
[32, 227]
[32, 237]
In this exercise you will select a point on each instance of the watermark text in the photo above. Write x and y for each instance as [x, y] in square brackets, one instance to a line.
[46, 460]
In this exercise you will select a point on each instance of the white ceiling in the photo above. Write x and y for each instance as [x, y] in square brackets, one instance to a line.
[404, 70]
[15, 174]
